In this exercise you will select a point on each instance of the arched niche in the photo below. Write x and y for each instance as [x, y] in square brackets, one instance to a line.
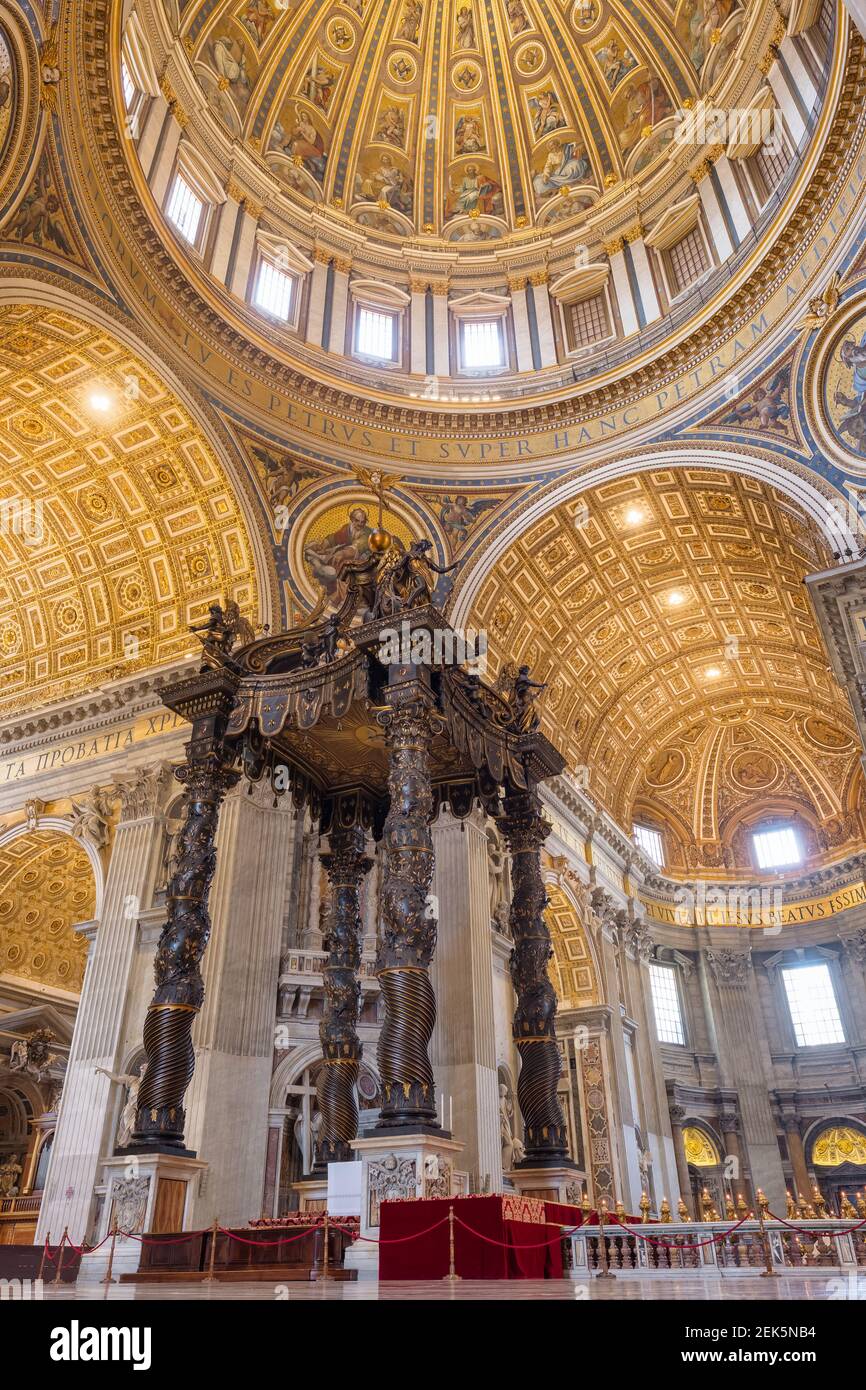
[705, 1164]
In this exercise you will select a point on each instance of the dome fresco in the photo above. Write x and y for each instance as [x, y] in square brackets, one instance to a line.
[467, 119]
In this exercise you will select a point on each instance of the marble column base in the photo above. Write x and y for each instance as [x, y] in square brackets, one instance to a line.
[550, 1184]
[165, 1205]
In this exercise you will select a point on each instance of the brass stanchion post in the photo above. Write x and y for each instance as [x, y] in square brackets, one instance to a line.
[59, 1269]
[325, 1257]
[452, 1276]
[769, 1272]
[605, 1272]
[213, 1241]
[109, 1279]
[46, 1247]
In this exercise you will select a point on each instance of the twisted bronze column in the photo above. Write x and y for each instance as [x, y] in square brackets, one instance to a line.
[408, 930]
[534, 1027]
[346, 865]
[208, 776]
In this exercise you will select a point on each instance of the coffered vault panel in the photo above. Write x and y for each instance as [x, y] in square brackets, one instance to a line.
[122, 523]
[667, 611]
[46, 888]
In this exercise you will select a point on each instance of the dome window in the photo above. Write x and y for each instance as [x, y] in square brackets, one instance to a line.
[650, 841]
[375, 334]
[184, 209]
[812, 1005]
[275, 290]
[777, 848]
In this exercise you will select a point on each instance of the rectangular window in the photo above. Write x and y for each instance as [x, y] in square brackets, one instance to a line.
[650, 841]
[184, 209]
[375, 334]
[771, 161]
[587, 322]
[274, 290]
[776, 849]
[666, 1004]
[483, 345]
[688, 260]
[814, 1012]
[129, 88]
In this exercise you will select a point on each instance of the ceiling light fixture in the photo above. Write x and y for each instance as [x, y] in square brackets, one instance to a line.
[712, 673]
[634, 516]
[100, 401]
[675, 598]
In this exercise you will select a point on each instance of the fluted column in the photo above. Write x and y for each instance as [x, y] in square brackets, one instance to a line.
[534, 1027]
[346, 865]
[464, 1039]
[797, 1155]
[87, 1108]
[179, 990]
[678, 1114]
[408, 937]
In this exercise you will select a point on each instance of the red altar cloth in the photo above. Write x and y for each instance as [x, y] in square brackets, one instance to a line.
[525, 1236]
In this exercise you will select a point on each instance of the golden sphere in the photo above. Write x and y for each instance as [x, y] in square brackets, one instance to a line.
[379, 541]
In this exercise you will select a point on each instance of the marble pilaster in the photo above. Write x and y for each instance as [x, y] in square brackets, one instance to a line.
[84, 1128]
[227, 1104]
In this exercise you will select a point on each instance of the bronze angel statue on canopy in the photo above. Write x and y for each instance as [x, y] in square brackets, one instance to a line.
[404, 579]
[520, 694]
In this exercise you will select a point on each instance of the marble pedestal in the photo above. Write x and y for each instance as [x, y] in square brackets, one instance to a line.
[398, 1166]
[146, 1193]
[550, 1184]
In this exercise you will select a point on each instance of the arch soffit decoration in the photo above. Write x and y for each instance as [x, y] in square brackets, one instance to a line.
[575, 969]
[56, 954]
[756, 491]
[188, 529]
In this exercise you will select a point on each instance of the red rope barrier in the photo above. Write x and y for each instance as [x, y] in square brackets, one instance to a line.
[267, 1244]
[817, 1234]
[398, 1240]
[503, 1245]
[148, 1240]
[672, 1245]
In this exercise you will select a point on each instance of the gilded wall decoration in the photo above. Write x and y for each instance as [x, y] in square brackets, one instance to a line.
[701, 1152]
[844, 388]
[841, 1144]
[7, 91]
[46, 888]
[126, 523]
[326, 544]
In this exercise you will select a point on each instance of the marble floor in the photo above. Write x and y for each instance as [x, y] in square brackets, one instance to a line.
[788, 1287]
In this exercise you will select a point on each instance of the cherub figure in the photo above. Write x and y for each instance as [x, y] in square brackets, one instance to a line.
[520, 693]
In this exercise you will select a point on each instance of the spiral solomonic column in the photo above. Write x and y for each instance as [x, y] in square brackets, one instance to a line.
[346, 864]
[408, 935]
[179, 991]
[534, 1027]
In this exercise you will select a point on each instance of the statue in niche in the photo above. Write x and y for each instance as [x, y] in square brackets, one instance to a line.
[512, 1146]
[497, 868]
[127, 1115]
[10, 1172]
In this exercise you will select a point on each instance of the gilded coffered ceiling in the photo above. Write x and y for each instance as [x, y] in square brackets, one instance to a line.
[46, 889]
[686, 674]
[121, 523]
